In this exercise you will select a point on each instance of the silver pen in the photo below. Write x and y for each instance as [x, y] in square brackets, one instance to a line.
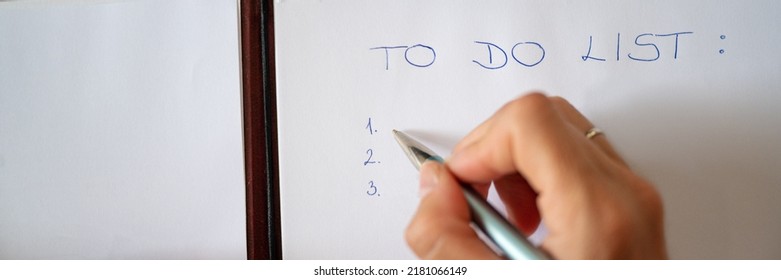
[503, 234]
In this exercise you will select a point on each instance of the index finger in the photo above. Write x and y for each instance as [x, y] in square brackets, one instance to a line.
[527, 136]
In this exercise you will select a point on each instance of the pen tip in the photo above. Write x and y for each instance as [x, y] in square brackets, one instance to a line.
[398, 136]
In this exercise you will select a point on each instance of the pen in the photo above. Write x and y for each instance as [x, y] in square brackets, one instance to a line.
[506, 237]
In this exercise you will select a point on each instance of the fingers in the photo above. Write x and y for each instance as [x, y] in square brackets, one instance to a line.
[535, 151]
[441, 227]
[527, 136]
[515, 192]
[570, 114]
[581, 123]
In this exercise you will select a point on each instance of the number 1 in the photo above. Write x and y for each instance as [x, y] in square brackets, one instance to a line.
[369, 127]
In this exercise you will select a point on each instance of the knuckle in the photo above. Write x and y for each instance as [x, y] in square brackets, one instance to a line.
[648, 197]
[532, 105]
[560, 101]
[653, 201]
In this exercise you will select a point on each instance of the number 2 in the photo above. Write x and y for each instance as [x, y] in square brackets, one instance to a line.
[369, 160]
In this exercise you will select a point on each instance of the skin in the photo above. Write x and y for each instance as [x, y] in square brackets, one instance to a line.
[543, 167]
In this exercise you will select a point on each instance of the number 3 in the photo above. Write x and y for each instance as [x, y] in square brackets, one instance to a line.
[372, 189]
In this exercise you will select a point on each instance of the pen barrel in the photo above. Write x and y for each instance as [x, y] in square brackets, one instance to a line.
[512, 243]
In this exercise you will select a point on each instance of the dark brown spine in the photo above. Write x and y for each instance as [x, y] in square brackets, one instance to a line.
[260, 131]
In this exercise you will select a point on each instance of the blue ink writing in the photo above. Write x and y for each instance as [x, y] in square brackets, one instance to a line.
[644, 41]
[419, 63]
[618, 46]
[588, 53]
[369, 160]
[386, 52]
[493, 66]
[647, 47]
[645, 44]
[372, 189]
[675, 55]
[491, 56]
[369, 127]
[433, 56]
[542, 56]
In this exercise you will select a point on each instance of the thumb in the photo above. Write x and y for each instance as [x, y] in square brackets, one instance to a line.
[441, 227]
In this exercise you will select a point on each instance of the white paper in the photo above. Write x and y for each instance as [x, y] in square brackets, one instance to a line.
[120, 130]
[701, 124]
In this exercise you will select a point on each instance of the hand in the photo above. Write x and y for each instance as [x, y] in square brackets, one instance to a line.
[543, 168]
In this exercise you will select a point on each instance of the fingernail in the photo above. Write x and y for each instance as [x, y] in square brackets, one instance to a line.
[429, 177]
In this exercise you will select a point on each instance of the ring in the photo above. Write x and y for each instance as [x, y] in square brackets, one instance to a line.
[593, 132]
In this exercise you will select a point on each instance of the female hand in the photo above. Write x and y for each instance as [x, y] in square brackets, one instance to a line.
[535, 151]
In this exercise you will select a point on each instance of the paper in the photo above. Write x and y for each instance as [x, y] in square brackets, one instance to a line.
[120, 130]
[688, 92]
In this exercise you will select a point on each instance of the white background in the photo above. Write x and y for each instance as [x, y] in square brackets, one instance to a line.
[120, 130]
[703, 127]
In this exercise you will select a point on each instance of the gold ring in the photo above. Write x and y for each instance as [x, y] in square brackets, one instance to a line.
[593, 132]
